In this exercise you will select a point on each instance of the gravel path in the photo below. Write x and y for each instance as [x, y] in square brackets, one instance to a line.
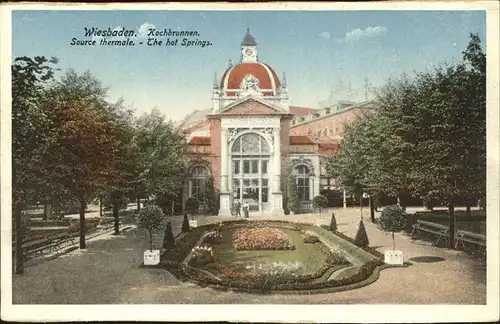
[108, 272]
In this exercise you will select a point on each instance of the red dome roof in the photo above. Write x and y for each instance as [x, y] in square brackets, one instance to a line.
[234, 75]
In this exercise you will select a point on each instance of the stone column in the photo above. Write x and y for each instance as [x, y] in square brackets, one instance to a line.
[277, 207]
[277, 160]
[225, 208]
[223, 161]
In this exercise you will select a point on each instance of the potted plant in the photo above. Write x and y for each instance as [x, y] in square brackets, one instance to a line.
[192, 205]
[150, 218]
[320, 202]
[392, 219]
[292, 196]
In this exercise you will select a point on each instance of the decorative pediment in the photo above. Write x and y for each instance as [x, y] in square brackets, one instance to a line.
[250, 106]
[302, 161]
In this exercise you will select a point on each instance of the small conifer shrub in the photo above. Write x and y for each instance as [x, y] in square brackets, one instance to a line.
[361, 238]
[185, 224]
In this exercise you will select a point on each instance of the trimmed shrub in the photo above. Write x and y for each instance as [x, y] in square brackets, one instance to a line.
[333, 223]
[192, 205]
[208, 198]
[311, 239]
[292, 195]
[393, 220]
[168, 239]
[320, 202]
[185, 224]
[361, 238]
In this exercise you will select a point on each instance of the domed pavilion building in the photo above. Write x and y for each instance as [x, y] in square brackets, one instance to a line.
[247, 143]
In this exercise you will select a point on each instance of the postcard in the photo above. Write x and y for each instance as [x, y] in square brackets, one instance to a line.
[282, 162]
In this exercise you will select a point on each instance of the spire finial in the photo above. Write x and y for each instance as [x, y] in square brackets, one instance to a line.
[230, 63]
[284, 80]
[215, 81]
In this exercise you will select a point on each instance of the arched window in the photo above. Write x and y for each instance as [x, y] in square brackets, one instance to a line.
[198, 176]
[250, 143]
[302, 174]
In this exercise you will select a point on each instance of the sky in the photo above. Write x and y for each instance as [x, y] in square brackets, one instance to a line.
[318, 50]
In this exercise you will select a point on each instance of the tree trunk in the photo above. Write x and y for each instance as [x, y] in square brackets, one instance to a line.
[100, 206]
[173, 208]
[372, 210]
[82, 223]
[451, 213]
[138, 203]
[361, 205]
[393, 242]
[19, 261]
[151, 241]
[46, 210]
[117, 218]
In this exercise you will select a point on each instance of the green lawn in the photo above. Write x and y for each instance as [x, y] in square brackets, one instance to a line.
[310, 255]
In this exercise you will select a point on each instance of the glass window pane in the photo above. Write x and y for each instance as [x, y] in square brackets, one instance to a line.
[264, 167]
[264, 183]
[236, 145]
[246, 182]
[300, 182]
[250, 143]
[246, 166]
[265, 195]
[236, 183]
[255, 182]
[236, 166]
[264, 146]
[255, 166]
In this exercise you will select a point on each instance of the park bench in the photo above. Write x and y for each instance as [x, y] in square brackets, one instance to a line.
[473, 238]
[45, 244]
[442, 231]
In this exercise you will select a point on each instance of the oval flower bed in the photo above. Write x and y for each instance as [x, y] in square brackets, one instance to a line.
[255, 256]
[264, 238]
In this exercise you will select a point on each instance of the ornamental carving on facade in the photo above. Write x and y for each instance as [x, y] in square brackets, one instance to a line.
[302, 161]
[267, 133]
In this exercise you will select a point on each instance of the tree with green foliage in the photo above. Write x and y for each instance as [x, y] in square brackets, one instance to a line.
[292, 194]
[161, 155]
[393, 220]
[150, 218]
[427, 137]
[31, 139]
[85, 155]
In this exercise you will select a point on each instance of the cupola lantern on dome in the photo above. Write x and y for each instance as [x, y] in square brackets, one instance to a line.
[248, 40]
[248, 48]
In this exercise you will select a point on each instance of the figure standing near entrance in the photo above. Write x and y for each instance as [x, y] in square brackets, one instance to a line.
[246, 208]
[237, 207]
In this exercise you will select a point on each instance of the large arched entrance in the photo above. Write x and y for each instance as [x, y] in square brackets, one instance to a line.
[250, 156]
